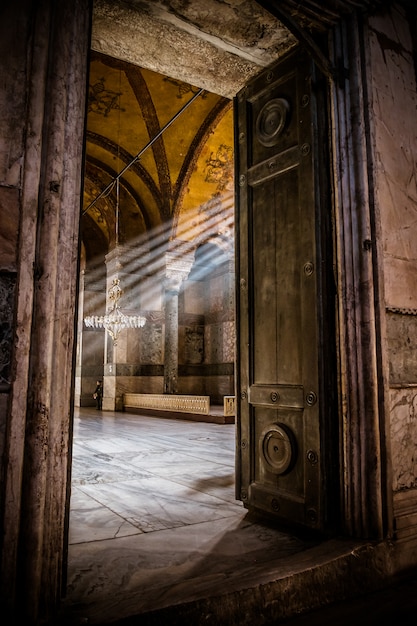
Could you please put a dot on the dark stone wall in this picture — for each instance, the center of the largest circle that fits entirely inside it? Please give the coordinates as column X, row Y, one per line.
column 402, row 348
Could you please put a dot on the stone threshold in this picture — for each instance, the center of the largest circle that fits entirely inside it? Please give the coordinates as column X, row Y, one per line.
column 334, row 571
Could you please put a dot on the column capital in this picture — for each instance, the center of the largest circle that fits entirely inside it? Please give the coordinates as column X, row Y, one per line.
column 177, row 268
column 125, row 258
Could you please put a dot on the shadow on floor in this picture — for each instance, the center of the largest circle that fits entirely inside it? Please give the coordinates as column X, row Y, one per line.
column 157, row 537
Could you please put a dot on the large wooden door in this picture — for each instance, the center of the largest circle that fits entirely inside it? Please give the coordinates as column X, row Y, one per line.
column 286, row 422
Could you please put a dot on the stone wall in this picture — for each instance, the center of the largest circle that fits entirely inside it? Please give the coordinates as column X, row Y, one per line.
column 207, row 334
column 206, row 343
column 42, row 107
column 12, row 112
column 394, row 102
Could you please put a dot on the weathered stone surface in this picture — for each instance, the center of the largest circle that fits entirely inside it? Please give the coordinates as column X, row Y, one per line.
column 404, row 437
column 229, row 342
column 402, row 348
column 187, row 42
column 394, row 102
column 44, row 62
column 194, row 344
column 151, row 346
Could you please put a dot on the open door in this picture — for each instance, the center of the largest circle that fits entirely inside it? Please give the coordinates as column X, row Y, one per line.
column 285, row 400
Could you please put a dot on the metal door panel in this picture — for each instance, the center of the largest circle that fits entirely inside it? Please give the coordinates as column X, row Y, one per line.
column 276, row 396
column 282, row 445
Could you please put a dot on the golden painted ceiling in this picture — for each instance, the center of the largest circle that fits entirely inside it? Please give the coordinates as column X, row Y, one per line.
column 182, row 182
column 149, row 58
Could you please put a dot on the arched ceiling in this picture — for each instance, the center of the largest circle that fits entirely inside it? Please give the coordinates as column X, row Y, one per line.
column 181, row 180
column 215, row 44
column 149, row 57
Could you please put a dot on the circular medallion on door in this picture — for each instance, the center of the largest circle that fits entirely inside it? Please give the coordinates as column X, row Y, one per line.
column 271, row 121
column 279, row 448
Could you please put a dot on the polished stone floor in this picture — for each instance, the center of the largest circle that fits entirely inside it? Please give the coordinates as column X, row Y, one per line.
column 154, row 525
column 154, row 519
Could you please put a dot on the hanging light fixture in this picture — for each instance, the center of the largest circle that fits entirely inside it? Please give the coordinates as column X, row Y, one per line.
column 115, row 320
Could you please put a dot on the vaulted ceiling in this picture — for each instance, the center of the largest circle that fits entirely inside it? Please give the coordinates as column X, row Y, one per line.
column 175, row 181
column 149, row 58
column 214, row 44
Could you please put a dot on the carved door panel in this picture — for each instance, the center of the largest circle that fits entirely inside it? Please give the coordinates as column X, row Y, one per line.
column 284, row 381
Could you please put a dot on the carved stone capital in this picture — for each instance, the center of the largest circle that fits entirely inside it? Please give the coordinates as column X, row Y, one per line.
column 125, row 259
column 177, row 269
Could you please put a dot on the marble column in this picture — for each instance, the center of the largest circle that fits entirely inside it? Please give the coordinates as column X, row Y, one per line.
column 123, row 264
column 177, row 269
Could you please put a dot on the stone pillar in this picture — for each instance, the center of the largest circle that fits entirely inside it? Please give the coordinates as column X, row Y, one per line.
column 171, row 339
column 123, row 264
column 362, row 409
column 45, row 74
column 177, row 269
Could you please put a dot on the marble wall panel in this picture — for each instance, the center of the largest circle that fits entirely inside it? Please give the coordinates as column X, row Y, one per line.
column 394, row 102
column 404, row 437
column 229, row 342
column 213, row 342
column 193, row 297
column 194, row 344
column 94, row 277
column 217, row 291
column 128, row 384
column 402, row 348
column 91, row 368
column 87, row 386
column 133, row 344
column 151, row 345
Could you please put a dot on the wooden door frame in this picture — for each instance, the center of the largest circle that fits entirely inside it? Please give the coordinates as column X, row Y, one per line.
column 38, row 442
column 366, row 498
column 296, row 497
column 365, row 502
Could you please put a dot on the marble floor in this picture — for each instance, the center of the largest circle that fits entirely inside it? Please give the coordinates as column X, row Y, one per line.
column 153, row 510
column 154, row 525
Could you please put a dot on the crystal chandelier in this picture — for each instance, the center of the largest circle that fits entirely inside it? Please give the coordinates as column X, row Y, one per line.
column 115, row 320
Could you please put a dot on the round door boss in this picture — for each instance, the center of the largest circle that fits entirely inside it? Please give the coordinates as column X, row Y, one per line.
column 271, row 121
column 279, row 448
